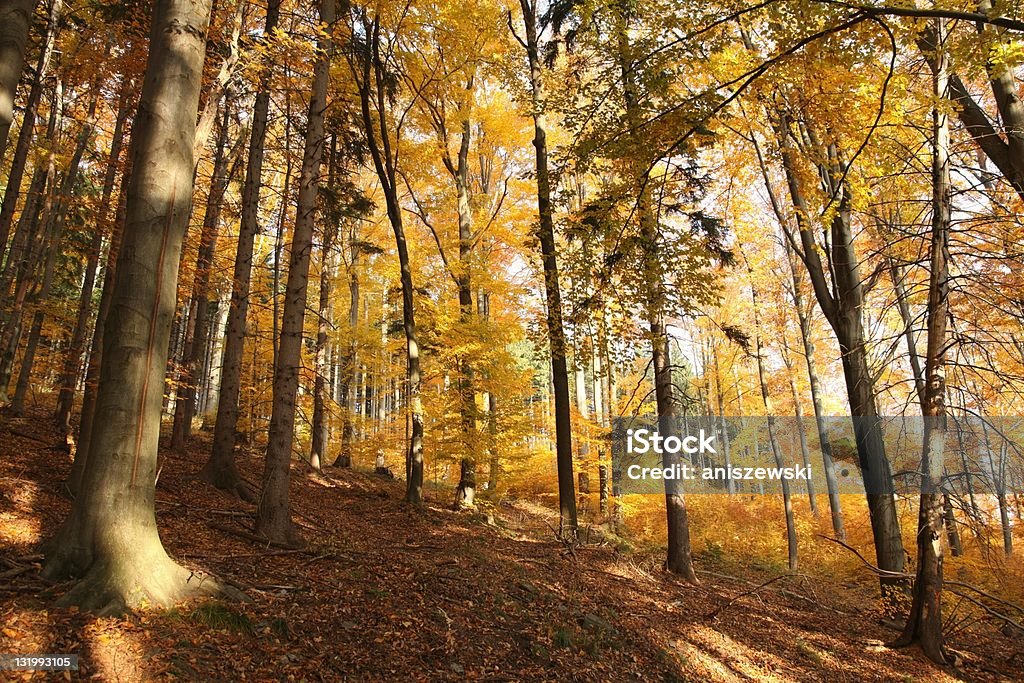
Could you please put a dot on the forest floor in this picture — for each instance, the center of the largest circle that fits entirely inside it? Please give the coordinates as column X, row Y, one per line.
column 388, row 592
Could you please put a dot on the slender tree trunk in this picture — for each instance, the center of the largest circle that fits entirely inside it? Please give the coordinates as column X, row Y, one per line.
column 55, row 232
column 30, row 240
column 787, row 497
column 348, row 370
column 28, row 121
column 273, row 517
column 73, row 359
column 924, row 625
column 381, row 139
column 220, row 470
column 798, row 413
column 321, row 387
column 465, row 492
column 843, row 307
column 198, row 329
column 679, row 559
column 723, row 428
column 110, row 538
column 553, row 295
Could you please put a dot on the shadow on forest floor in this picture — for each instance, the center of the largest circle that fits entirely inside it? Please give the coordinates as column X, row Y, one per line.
column 388, row 592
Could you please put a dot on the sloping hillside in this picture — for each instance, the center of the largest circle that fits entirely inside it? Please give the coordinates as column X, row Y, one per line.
column 387, row 592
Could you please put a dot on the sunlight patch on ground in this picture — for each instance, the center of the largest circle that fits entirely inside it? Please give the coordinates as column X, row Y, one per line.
column 25, row 632
column 19, row 522
column 114, row 651
column 739, row 660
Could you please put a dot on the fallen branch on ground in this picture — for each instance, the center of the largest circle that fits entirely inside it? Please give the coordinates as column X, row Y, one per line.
column 714, row 613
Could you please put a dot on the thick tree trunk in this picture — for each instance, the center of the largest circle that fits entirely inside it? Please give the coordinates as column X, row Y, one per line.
column 93, row 368
column 15, row 20
column 273, row 517
column 220, row 470
column 924, row 624
column 110, row 538
column 553, row 295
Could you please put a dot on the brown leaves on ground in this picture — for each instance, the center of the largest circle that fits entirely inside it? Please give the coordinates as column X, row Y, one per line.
column 390, row 592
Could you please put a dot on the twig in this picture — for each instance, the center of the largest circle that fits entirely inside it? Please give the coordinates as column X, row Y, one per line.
column 997, row 615
column 16, row 571
column 714, row 613
column 30, row 437
column 876, row 570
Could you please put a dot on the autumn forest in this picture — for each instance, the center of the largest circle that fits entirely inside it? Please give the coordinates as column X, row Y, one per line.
column 569, row 340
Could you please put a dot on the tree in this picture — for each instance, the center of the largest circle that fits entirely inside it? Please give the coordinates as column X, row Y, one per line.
column 199, row 308
column 552, row 291
column 839, row 290
column 220, row 470
column 15, row 19
column 273, row 516
column 369, row 60
column 110, row 540
column 924, row 624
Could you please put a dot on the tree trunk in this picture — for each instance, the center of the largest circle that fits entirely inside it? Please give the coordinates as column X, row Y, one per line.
column 348, row 369
column 465, row 492
column 73, row 358
column 787, row 497
column 58, row 214
column 220, row 470
column 843, row 306
column 381, row 140
column 924, row 624
column 798, row 413
column 30, row 239
column 28, row 123
column 722, row 426
column 273, row 517
column 679, row 559
column 553, row 295
column 15, row 20
column 198, row 329
column 95, row 365
column 321, row 387
column 110, row 538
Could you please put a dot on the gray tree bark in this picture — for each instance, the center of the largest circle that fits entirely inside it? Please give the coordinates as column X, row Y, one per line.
column 924, row 624
column 15, row 20
column 220, row 470
column 553, row 295
column 273, row 516
column 110, row 540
